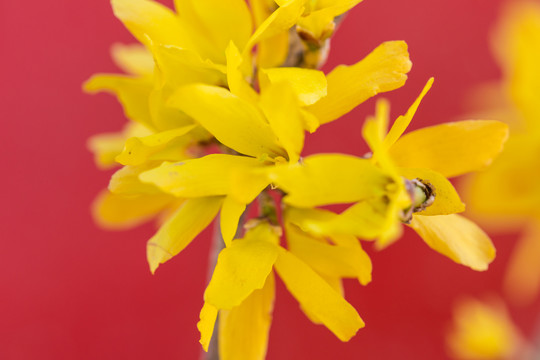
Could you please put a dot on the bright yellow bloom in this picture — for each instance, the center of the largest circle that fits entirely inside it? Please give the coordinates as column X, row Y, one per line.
column 425, row 158
column 507, row 196
column 482, row 331
column 242, row 291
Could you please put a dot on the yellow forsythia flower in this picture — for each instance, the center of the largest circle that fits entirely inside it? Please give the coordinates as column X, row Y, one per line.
column 381, row 200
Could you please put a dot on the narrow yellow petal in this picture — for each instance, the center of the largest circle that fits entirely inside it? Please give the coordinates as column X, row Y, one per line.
column 244, row 330
column 231, row 211
column 131, row 92
column 247, row 184
column 178, row 232
column 118, row 212
column 457, row 238
column 319, row 22
column 403, row 121
column 138, row 150
column 308, row 84
column 206, row 324
column 207, row 176
column 280, row 20
column 330, row 260
column 316, row 296
column 242, row 268
column 134, row 59
column 235, row 77
column 447, row 200
column 330, row 179
column 384, row 69
column 436, row 147
column 279, row 104
column 235, row 122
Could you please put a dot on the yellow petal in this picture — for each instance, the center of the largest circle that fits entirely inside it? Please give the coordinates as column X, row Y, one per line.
column 330, row 179
column 117, row 212
column 231, row 211
column 447, row 200
column 403, row 121
column 243, row 330
column 247, row 184
column 218, row 22
column 451, row 149
column 150, row 21
column 330, row 260
column 206, row 324
column 236, row 79
column 279, row 21
column 317, row 297
column 182, row 66
column 139, row 149
column 234, row 122
column 134, row 59
column 132, row 93
column 280, row 106
column 242, row 268
column 384, row 69
column 126, row 181
column 107, row 146
column 319, row 23
column 309, row 85
column 178, row 232
column 206, row 176
column 457, row 238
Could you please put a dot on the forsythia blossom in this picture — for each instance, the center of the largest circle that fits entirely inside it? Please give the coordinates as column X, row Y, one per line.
column 216, row 124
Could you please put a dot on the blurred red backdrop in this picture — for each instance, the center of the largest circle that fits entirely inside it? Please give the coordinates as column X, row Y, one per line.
column 73, row 291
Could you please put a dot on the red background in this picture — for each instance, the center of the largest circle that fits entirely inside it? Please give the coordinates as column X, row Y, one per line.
column 72, row 291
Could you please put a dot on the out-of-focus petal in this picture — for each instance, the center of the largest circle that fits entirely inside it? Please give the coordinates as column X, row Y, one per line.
column 134, row 59
column 454, row 148
column 178, row 232
column 384, row 69
column 522, row 278
column 120, row 212
column 316, row 296
column 132, row 93
column 457, row 238
column 243, row 330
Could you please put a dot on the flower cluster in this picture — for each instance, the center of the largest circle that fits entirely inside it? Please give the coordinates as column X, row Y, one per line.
column 219, row 97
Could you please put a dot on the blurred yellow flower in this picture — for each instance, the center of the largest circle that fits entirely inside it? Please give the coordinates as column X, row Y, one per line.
column 507, row 195
column 482, row 331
